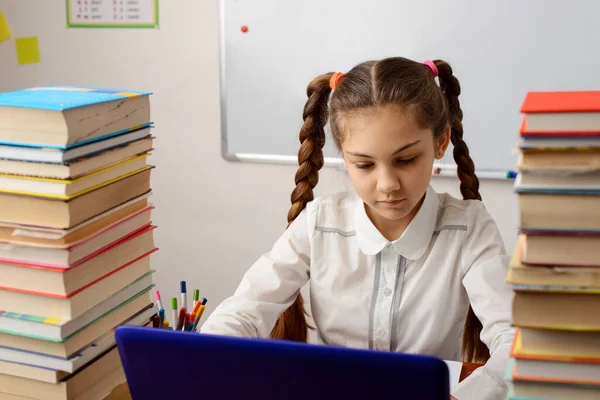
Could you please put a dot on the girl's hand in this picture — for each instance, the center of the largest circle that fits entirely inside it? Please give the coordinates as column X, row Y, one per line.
column 452, row 398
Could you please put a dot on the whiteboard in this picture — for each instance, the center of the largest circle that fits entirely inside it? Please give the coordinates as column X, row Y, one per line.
column 499, row 50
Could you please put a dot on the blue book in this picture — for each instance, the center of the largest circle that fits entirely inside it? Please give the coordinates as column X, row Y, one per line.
column 62, row 117
column 568, row 191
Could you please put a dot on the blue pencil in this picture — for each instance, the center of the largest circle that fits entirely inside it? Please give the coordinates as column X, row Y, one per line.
column 161, row 317
column 183, row 294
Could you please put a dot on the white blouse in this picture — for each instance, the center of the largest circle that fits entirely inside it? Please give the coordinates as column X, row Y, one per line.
column 411, row 295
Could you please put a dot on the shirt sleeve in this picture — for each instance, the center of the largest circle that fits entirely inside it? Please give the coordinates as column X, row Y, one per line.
column 267, row 289
column 486, row 262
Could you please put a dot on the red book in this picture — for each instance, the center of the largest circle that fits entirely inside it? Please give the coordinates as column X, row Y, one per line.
column 561, row 102
column 574, row 113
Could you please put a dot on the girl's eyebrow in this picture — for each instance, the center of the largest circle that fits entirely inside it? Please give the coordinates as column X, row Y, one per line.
column 401, row 149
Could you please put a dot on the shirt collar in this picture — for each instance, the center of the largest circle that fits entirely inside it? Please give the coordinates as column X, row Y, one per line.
column 414, row 241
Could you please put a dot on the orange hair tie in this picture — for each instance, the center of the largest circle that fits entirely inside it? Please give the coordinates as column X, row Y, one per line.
column 335, row 79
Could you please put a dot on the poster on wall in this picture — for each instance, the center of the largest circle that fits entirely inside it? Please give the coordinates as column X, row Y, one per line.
column 112, row 13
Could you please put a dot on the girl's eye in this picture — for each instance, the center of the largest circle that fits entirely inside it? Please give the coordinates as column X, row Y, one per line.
column 363, row 166
column 406, row 161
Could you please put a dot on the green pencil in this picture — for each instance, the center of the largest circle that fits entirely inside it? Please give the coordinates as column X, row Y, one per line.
column 196, row 297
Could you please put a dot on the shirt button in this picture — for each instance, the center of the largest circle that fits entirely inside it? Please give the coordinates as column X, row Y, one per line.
column 387, row 291
column 380, row 332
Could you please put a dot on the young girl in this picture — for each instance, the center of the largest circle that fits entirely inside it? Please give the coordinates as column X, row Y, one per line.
column 394, row 266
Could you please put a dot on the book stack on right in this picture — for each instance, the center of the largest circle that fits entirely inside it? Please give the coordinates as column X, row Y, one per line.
column 555, row 267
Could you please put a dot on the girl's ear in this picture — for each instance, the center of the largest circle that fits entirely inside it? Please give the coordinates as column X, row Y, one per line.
column 442, row 143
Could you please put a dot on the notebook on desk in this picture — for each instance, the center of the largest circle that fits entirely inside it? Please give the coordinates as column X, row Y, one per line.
column 161, row 364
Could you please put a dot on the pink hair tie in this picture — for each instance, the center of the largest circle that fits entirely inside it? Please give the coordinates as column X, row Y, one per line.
column 432, row 66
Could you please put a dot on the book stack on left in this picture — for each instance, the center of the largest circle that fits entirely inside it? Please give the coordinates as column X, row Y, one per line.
column 75, row 237
column 555, row 268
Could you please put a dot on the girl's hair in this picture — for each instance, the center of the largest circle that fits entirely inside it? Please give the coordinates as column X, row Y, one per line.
column 398, row 81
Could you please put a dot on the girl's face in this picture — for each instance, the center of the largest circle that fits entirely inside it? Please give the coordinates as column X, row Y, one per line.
column 389, row 159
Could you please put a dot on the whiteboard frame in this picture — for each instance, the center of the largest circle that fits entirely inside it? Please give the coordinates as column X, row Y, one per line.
column 439, row 169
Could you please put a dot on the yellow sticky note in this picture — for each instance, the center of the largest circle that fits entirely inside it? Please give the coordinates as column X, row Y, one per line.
column 4, row 29
column 28, row 50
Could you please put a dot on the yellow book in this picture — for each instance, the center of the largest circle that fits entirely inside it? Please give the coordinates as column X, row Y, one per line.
column 66, row 189
column 556, row 276
column 576, row 346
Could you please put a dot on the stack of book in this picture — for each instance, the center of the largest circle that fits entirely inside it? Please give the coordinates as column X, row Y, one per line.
column 75, row 237
column 555, row 268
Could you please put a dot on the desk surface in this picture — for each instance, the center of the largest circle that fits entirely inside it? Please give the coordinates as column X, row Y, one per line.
column 121, row 392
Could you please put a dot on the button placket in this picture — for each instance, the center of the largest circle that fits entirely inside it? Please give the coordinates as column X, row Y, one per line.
column 385, row 299
column 396, row 303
